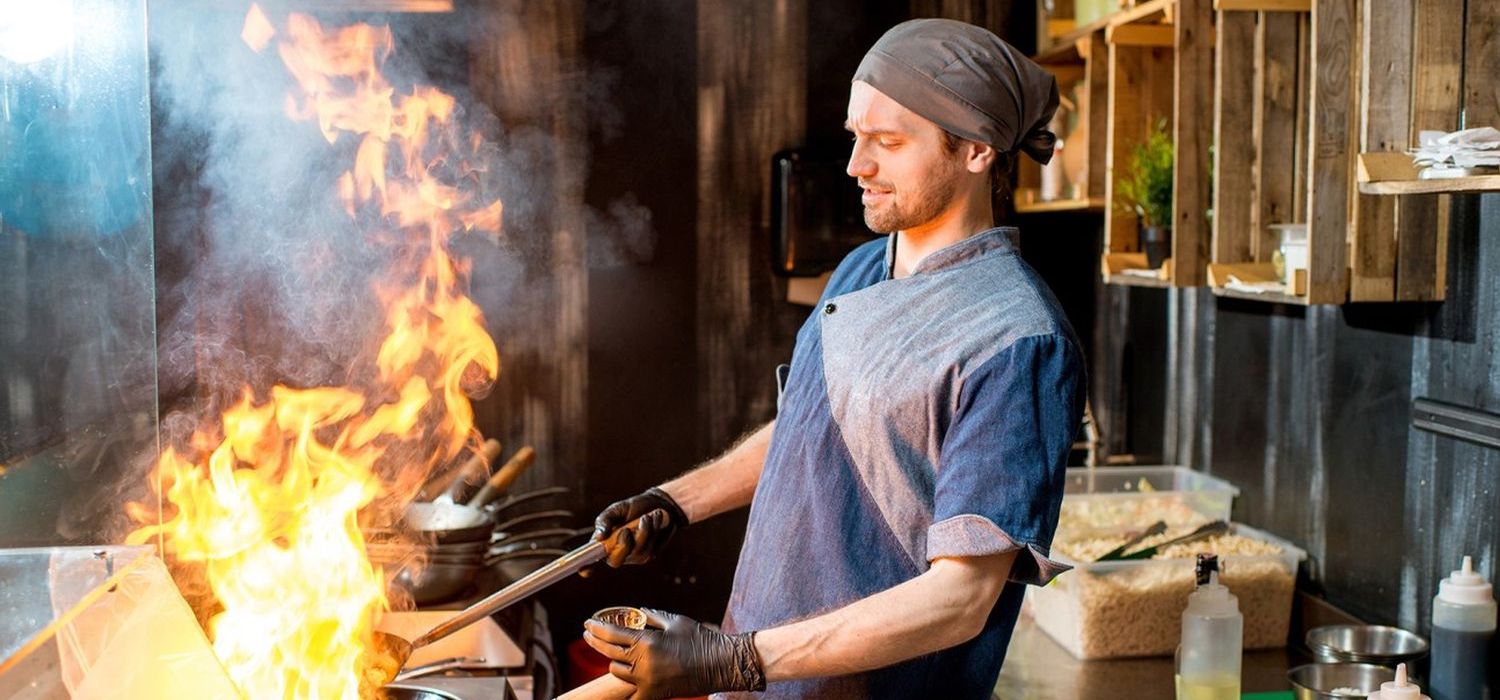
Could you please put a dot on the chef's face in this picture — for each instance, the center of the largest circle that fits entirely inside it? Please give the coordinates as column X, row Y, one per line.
column 908, row 175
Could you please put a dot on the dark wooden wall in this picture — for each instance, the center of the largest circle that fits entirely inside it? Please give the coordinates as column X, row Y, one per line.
column 1308, row 411
column 527, row 66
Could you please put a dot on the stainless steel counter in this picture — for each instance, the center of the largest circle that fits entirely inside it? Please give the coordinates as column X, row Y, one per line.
column 1037, row 668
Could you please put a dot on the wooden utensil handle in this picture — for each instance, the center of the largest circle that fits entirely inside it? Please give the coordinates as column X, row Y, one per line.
column 507, row 475
column 605, row 687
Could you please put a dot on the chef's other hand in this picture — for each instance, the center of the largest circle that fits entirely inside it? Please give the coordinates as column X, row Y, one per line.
column 641, row 541
column 680, row 658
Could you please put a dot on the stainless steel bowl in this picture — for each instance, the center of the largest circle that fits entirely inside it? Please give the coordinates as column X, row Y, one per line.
column 622, row 616
column 1315, row 681
column 1368, row 644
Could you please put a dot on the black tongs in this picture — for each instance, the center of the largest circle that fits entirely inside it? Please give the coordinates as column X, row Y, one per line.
column 1217, row 527
column 1159, row 527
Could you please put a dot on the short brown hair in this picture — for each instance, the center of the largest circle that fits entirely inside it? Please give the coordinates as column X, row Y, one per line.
column 1000, row 171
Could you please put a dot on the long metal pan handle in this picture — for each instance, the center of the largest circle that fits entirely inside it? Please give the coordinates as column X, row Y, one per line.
column 559, row 569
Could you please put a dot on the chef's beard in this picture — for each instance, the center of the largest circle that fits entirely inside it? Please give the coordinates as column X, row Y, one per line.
column 924, row 205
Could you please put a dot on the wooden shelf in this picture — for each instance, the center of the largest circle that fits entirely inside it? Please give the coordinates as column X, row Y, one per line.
column 1395, row 174
column 1160, row 58
column 1263, row 5
column 1453, row 185
column 1153, row 11
column 1144, row 12
column 1137, row 281
column 1267, row 297
column 1095, row 204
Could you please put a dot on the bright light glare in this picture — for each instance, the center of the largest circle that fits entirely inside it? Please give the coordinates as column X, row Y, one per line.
column 31, row 30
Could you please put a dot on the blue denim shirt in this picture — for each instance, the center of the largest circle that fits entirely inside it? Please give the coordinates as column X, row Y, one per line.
column 923, row 417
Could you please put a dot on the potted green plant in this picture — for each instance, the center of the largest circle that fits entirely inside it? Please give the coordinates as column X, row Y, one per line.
column 1146, row 191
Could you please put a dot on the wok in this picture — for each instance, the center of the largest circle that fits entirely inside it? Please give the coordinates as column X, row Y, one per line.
column 391, row 652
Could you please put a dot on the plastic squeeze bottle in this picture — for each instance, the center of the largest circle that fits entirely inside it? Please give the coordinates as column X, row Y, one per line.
column 1208, row 662
column 1398, row 689
column 1463, row 623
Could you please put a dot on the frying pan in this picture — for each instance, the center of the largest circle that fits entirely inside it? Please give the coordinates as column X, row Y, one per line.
column 391, row 652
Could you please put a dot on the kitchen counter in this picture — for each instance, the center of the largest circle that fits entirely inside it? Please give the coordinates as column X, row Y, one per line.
column 1037, row 668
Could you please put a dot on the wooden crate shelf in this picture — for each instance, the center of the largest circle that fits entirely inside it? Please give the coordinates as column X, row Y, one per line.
column 1312, row 90
column 1395, row 174
column 1037, row 206
column 1130, row 269
column 1160, row 62
column 1081, row 72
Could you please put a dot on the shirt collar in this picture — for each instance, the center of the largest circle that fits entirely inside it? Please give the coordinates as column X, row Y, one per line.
column 999, row 241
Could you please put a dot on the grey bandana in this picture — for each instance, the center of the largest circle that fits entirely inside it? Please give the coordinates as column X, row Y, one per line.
column 966, row 80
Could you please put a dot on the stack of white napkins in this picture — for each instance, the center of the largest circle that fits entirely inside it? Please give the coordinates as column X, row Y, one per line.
column 1238, row 285
column 1470, row 148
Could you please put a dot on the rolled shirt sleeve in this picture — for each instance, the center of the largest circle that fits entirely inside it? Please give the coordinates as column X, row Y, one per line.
column 1000, row 479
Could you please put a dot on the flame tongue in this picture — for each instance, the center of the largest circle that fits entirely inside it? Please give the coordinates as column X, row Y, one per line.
column 265, row 499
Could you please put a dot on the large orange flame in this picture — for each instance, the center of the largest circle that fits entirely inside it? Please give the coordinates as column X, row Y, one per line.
column 265, row 498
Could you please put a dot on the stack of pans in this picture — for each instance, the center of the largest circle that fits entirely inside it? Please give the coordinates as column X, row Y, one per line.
column 444, row 550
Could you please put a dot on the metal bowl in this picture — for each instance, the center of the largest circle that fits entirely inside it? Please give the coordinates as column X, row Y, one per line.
column 622, row 616
column 1314, row 681
column 1368, row 644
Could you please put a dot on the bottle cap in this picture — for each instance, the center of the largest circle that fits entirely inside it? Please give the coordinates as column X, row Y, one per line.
column 1212, row 599
column 1465, row 587
column 1400, row 689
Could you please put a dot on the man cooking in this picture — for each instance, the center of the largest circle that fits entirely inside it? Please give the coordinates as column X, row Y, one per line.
column 912, row 477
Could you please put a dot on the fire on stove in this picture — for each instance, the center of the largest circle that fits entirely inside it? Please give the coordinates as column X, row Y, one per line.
column 265, row 501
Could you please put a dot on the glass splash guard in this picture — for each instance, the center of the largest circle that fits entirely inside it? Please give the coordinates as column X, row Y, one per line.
column 77, row 321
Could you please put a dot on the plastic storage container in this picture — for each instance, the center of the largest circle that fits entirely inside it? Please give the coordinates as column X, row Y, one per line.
column 1122, row 609
column 1113, row 498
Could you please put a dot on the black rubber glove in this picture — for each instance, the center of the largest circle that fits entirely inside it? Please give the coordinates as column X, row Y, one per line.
column 680, row 658
column 639, row 543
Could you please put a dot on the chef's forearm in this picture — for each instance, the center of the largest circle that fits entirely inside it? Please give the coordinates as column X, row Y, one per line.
column 725, row 483
column 941, row 608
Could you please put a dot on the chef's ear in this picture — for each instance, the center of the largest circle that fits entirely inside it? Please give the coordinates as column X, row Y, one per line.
column 978, row 157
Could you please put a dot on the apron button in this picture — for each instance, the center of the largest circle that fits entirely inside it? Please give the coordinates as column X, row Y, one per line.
column 830, row 308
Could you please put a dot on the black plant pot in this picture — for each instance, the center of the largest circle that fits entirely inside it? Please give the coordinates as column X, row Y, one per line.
column 1156, row 241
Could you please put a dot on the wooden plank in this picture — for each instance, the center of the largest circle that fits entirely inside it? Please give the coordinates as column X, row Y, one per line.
column 1096, row 96
column 1275, row 132
column 1144, row 12
column 1066, row 74
column 751, row 86
column 1056, row 205
column 1139, row 97
column 526, row 71
column 1482, row 64
column 1263, row 5
column 1301, row 150
column 1329, row 171
column 1193, row 135
column 1234, row 155
column 1437, row 58
column 1126, row 71
column 1477, row 184
column 1385, row 124
column 1141, row 35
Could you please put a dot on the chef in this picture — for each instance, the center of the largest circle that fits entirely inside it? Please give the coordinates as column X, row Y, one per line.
column 910, row 484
